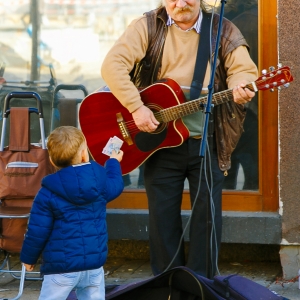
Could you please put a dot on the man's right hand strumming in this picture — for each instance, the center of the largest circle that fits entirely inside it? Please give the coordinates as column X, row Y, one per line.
column 144, row 119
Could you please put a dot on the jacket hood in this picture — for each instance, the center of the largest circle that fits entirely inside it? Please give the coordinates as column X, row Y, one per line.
column 71, row 183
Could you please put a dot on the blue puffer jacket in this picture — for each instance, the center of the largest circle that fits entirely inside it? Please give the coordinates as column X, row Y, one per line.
column 67, row 223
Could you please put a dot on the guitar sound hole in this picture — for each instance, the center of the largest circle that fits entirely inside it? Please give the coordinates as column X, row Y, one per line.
column 161, row 127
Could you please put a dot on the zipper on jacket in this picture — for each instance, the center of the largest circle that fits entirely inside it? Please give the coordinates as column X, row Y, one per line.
column 158, row 59
column 162, row 43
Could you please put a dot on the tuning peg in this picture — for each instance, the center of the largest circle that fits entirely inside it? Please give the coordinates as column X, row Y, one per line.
column 272, row 90
column 279, row 88
column 279, row 65
column 272, row 68
column 286, row 85
column 264, row 72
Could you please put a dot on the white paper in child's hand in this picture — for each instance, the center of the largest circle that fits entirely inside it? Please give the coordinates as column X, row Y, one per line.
column 113, row 144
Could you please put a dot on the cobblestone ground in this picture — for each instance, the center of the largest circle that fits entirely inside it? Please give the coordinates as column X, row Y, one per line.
column 121, row 271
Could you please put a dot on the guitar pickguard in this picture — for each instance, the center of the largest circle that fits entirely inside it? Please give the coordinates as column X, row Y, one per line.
column 146, row 142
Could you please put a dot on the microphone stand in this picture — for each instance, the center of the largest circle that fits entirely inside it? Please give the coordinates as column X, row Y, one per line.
column 208, row 105
column 208, row 128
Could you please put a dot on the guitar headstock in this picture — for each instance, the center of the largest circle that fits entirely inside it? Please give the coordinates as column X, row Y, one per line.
column 274, row 79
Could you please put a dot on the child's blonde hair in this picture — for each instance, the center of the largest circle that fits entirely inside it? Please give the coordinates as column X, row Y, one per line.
column 64, row 144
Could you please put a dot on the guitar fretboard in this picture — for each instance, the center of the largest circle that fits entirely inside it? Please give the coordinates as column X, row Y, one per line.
column 193, row 106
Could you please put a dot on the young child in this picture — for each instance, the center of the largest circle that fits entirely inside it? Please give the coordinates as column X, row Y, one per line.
column 67, row 223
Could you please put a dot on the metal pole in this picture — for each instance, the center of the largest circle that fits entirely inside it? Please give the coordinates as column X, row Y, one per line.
column 34, row 18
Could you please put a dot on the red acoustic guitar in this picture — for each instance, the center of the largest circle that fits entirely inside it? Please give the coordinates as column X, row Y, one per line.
column 101, row 117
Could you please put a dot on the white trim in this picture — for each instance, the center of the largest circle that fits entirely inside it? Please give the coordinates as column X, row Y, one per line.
column 83, row 164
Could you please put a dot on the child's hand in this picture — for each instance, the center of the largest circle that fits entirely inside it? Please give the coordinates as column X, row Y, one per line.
column 116, row 155
column 29, row 268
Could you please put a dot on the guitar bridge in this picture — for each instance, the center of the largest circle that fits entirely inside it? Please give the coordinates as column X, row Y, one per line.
column 123, row 129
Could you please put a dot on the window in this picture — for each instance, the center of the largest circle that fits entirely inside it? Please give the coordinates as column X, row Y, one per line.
column 72, row 42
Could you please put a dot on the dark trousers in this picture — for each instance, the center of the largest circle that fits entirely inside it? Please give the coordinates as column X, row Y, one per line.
column 165, row 173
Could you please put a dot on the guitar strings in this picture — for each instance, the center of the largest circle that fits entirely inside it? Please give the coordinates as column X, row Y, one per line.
column 176, row 112
column 189, row 107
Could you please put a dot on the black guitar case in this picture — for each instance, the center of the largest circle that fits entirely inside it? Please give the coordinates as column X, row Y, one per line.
column 181, row 283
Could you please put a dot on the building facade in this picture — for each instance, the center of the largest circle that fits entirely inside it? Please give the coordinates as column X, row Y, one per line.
column 261, row 190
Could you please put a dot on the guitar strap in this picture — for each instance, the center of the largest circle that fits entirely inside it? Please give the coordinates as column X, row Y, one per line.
column 203, row 56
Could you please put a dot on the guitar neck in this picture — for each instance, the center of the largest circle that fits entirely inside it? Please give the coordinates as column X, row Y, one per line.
column 193, row 106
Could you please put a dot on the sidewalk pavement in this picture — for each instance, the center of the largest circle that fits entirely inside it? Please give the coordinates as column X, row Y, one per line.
column 121, row 271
